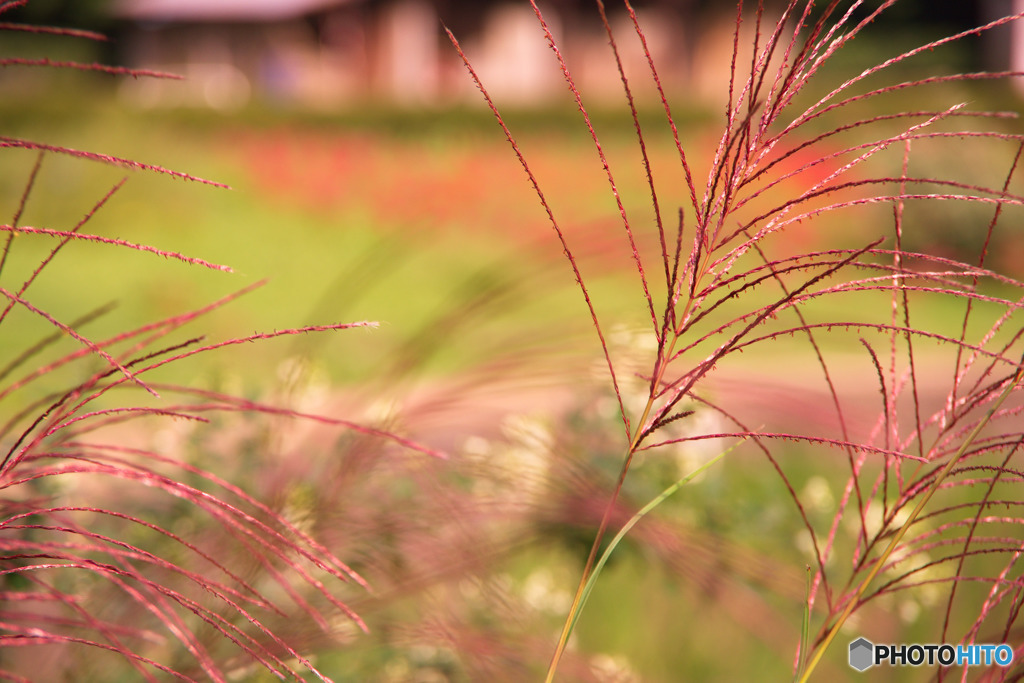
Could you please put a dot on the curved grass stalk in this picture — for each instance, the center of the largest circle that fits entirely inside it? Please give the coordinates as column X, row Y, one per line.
column 633, row 521
column 805, row 628
column 589, row 567
column 593, row 569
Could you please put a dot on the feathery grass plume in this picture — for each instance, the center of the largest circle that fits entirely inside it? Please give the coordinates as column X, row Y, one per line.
column 118, row 559
column 740, row 295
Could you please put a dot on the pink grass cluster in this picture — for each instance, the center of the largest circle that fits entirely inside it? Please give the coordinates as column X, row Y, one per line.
column 723, row 284
column 117, row 555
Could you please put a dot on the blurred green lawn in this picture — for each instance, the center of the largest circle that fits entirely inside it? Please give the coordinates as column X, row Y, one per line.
column 401, row 248
column 400, row 217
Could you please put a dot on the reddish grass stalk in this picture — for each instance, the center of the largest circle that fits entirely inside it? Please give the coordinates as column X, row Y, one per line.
column 80, row 66
column 71, row 235
column 744, row 208
column 278, row 569
column 104, row 158
column 53, row 30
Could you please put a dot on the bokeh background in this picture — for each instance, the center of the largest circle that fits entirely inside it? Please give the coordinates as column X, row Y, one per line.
column 369, row 182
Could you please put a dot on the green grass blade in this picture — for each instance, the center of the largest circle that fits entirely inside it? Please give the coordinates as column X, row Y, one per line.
column 805, row 628
column 662, row 497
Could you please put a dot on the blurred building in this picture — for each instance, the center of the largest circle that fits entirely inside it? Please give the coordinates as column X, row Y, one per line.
column 334, row 53
column 1004, row 48
column 344, row 53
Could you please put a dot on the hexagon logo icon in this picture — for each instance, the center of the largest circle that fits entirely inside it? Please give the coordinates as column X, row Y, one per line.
column 861, row 654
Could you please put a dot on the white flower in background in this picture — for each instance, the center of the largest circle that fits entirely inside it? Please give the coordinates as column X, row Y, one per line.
column 613, row 669
column 542, row 592
column 817, row 495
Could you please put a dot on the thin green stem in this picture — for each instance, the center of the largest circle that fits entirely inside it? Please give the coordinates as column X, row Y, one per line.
column 665, row 355
column 635, row 519
column 577, row 601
